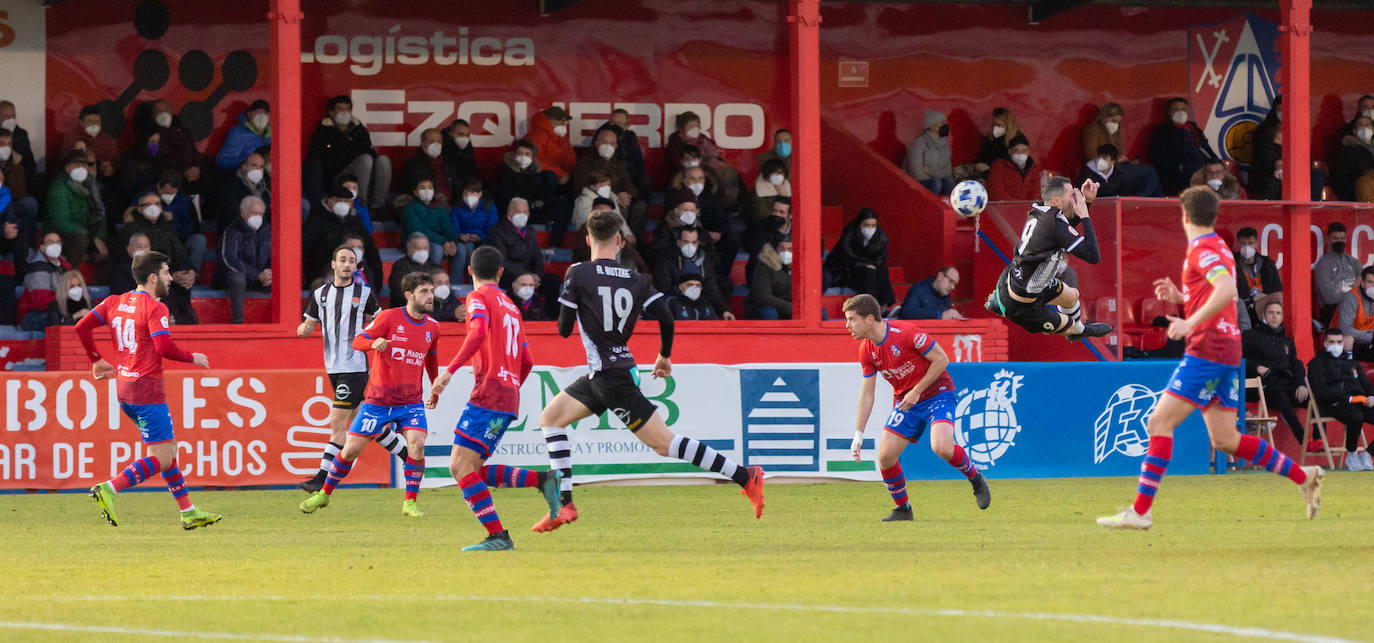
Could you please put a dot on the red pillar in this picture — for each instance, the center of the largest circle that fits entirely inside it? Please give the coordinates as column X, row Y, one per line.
column 1295, row 43
column 804, row 23
column 286, row 160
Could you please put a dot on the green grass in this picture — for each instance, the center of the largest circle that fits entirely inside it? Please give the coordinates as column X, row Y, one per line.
column 1233, row 550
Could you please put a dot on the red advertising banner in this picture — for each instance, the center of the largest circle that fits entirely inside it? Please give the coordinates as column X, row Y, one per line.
column 233, row 428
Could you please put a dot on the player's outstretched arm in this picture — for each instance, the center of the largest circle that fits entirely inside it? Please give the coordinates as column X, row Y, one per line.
column 567, row 318
column 865, row 409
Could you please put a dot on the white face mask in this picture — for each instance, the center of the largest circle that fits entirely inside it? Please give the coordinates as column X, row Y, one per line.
column 519, row 220
column 561, row 130
column 1247, row 252
column 688, row 250
column 694, row 132
column 78, row 174
column 605, row 151
column 691, row 163
column 1112, row 127
column 425, row 195
column 343, row 118
column 433, row 150
column 53, row 250
column 254, row 175
column 358, row 255
column 1020, row 159
column 692, row 292
column 341, row 208
column 74, row 293
column 1215, row 184
column 867, row 232
column 9, row 124
column 5, row 153
column 1365, row 134
column 1367, row 112
column 696, row 188
column 163, row 119
column 441, row 291
column 254, row 222
column 604, row 192
column 688, row 217
column 92, row 130
column 167, row 198
column 1104, row 165
column 786, row 256
column 1335, row 350
column 998, row 131
column 354, row 191
column 419, row 256
column 462, row 141
column 1369, row 292
column 1179, row 117
column 525, row 293
column 472, row 200
column 151, row 211
column 260, row 122
column 523, row 161
column 140, row 252
column 1278, row 174
column 776, row 179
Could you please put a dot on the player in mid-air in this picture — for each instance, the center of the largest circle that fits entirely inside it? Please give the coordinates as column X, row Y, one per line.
column 604, row 299
column 1030, row 285
column 501, row 362
column 138, row 322
column 341, row 309
column 923, row 398
column 405, row 343
column 1208, row 378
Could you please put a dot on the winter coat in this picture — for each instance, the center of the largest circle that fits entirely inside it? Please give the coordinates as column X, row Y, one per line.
column 420, row 167
column 614, row 168
column 430, row 219
column 922, row 302
column 519, row 250
column 852, row 251
column 994, row 147
column 672, row 151
column 1230, row 185
column 525, row 183
column 1177, row 151
column 629, row 151
column 241, row 141
column 684, row 309
column 104, row 145
column 335, row 148
column 1006, row 182
column 469, row 221
column 928, row 151
column 761, row 201
column 1107, row 186
column 463, row 161
column 1274, row 350
column 176, row 148
column 40, row 273
column 553, row 152
column 162, row 237
column 324, row 231
column 1352, row 160
column 70, row 210
column 770, row 285
column 669, row 267
column 399, row 270
column 24, row 149
column 1335, row 379
column 245, row 250
column 1095, row 135
column 16, row 176
column 235, row 190
column 446, row 309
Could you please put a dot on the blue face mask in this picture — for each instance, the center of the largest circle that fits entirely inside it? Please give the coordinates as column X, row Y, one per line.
column 784, row 149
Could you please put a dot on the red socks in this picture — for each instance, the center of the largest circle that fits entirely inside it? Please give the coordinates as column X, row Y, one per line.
column 1157, row 457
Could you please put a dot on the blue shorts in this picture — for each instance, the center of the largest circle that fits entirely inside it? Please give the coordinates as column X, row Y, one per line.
column 481, row 429
column 372, row 419
column 1200, row 382
column 154, row 421
column 912, row 423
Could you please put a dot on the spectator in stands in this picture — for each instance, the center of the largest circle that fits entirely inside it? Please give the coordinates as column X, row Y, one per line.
column 429, row 163
column 245, row 255
column 523, row 176
column 629, row 254
column 350, row 183
column 97, row 141
column 121, row 277
column 10, row 247
column 1257, row 276
column 448, row 306
column 137, row 170
column 1015, row 177
column 1178, row 148
column 524, row 291
column 1214, row 175
column 1363, row 107
column 1267, row 187
column 519, row 248
column 997, row 143
column 1266, row 164
column 340, row 145
column 1119, row 178
column 459, row 154
column 1354, row 158
column 73, row 303
column 1135, row 179
column 428, row 214
column 689, row 133
column 1337, row 383
column 249, row 180
column 690, row 257
column 42, row 279
column 9, row 122
column 16, row 200
column 418, row 259
column 688, row 303
column 770, row 232
column 332, row 222
column 252, row 132
column 770, row 288
column 597, row 186
column 1335, row 272
column 697, row 185
column 604, row 164
column 71, row 211
column 148, row 217
column 927, row 158
column 781, row 150
column 548, row 131
column 1355, row 317
column 176, row 148
column 629, row 150
column 859, row 258
column 184, row 217
column 472, row 217
column 772, row 183
column 1271, row 356
column 930, row 299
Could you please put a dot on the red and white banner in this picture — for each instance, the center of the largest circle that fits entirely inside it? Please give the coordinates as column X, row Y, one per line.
column 233, row 428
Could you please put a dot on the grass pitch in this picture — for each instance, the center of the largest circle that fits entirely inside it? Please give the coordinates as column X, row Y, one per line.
column 689, row 563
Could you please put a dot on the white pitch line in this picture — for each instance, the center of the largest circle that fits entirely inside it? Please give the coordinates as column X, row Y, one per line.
column 232, row 636
column 1211, row 628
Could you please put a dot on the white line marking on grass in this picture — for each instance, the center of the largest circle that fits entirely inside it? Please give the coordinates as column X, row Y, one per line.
column 1211, row 628
column 134, row 631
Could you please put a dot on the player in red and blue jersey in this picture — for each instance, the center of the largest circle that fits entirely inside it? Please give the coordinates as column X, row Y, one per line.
column 405, row 343
column 138, row 323
column 923, row 398
column 501, row 361
column 1208, row 378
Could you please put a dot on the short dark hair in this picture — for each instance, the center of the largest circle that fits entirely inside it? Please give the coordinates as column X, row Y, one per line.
column 597, row 176
column 1368, row 270
column 259, row 104
column 1365, row 97
column 864, row 306
column 691, row 150
column 525, row 143
column 603, row 201
column 1272, row 302
column 1335, row 226
column 603, row 225
column 472, row 185
column 485, row 262
column 346, row 178
column 1109, row 150
column 620, row 110
column 88, row 110
column 414, row 280
column 1333, row 331
column 147, row 265
column 773, row 166
column 1053, row 187
column 785, row 200
column 1246, row 233
column 169, row 177
column 456, row 122
column 1176, row 99
column 781, row 130
column 1201, row 204
column 340, row 192
column 335, row 100
column 335, row 255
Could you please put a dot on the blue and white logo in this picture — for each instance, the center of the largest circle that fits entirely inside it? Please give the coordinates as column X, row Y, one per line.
column 1121, row 426
column 782, row 418
column 985, row 422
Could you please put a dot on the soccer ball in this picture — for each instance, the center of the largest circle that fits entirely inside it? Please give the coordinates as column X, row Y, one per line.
column 968, row 198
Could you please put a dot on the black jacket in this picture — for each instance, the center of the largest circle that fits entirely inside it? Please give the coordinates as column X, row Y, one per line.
column 526, row 184
column 1177, row 152
column 335, row 148
column 686, row 309
column 464, row 164
column 1336, row 379
column 852, row 251
column 399, row 270
column 324, row 232
column 21, row 145
column 235, row 190
column 520, row 253
column 1272, row 349
column 669, row 267
column 417, row 168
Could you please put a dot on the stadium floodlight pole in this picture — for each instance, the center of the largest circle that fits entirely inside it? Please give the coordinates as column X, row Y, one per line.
column 804, row 24
column 1295, row 41
column 286, row 19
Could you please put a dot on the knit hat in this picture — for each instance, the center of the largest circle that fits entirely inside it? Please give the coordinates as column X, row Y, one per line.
column 933, row 118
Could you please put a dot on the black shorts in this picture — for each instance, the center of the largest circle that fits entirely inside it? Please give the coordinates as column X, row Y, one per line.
column 1036, row 317
column 348, row 389
column 617, row 390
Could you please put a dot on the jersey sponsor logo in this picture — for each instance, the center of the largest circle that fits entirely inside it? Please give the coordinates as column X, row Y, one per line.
column 896, row 352
column 985, row 423
column 902, row 370
column 428, row 337
column 920, row 340
column 1208, row 258
column 1120, row 428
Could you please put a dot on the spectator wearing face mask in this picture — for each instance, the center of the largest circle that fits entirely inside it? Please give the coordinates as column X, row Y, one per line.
column 859, row 258
column 448, row 306
column 459, row 153
column 350, row 183
column 340, row 145
column 72, row 214
column 1335, row 272
column 473, row 216
column 121, row 277
column 927, row 158
column 598, row 186
column 1105, row 129
column 1015, row 177
column 930, row 299
column 548, row 132
column 629, row 150
column 42, row 280
column 690, row 255
column 772, row 183
column 1257, row 276
column 1271, row 356
column 689, row 135
column 522, row 176
column 1131, row 179
column 16, row 201
column 687, row 302
column 770, row 286
column 73, row 303
column 184, row 216
column 147, row 217
column 429, row 163
column 1355, row 317
column 417, row 259
column 602, row 161
column 1266, row 163
column 249, row 180
column 997, row 142
column 524, row 292
column 1364, row 106
column 781, row 150
column 176, row 147
column 245, row 255
column 1178, row 148
column 1344, row 394
column 23, row 148
column 1116, row 177
column 252, row 131
column 1354, row 157
column 331, row 222
column 88, row 131
column 518, row 244
column 1215, row 176
column 428, row 214
column 629, row 253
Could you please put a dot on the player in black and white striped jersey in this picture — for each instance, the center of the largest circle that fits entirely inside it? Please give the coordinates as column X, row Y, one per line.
column 341, row 308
